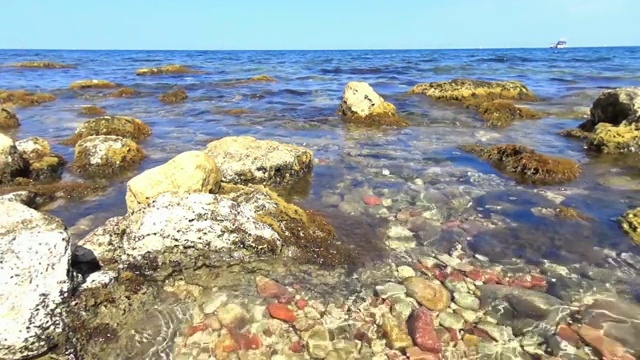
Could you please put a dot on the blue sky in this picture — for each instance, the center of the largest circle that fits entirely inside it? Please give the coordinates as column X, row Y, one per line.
column 320, row 24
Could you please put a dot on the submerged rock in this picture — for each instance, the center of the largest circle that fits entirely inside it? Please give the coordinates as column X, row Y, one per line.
column 429, row 293
column 463, row 90
column 203, row 176
column 165, row 70
column 92, row 84
column 106, row 156
column 361, row 104
column 8, row 118
column 502, row 113
column 527, row 165
column 630, row 222
column 247, row 160
column 36, row 281
column 123, row 92
column 173, row 97
column 92, row 110
column 24, row 98
column 610, row 139
column 123, row 126
column 615, row 319
column 42, row 65
column 42, row 194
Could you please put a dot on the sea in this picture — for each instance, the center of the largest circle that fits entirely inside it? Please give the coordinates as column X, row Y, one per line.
column 482, row 210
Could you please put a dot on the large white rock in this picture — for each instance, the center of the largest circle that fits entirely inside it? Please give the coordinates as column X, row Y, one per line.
column 247, row 160
column 189, row 172
column 361, row 104
column 35, row 256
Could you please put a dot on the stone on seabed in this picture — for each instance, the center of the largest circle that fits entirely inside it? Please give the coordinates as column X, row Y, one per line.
column 362, row 105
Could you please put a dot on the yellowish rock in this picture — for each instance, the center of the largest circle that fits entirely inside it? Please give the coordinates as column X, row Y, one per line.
column 466, row 89
column 92, row 84
column 611, row 139
column 189, row 172
column 630, row 222
column 361, row 104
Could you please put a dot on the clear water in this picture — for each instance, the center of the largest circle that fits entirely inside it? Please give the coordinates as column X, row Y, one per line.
column 300, row 107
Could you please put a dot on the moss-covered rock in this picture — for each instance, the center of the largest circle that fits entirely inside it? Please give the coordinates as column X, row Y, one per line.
column 92, row 110
column 167, row 70
column 576, row 133
column 124, row 92
column 234, row 112
column 569, row 213
column 502, row 113
column 463, row 90
column 43, row 194
column 12, row 164
column 630, row 222
column 42, row 65
column 526, row 165
column 8, row 118
column 92, row 84
column 173, row 97
column 610, row 139
column 247, row 160
column 24, row 98
column 262, row 78
column 124, row 126
column 106, row 156
column 44, row 166
column 362, row 105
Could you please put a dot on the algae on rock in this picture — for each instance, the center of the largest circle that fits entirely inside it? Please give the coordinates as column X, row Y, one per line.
column 42, row 65
column 92, row 110
column 174, row 97
column 123, row 126
column 123, row 92
column 630, row 222
column 106, row 156
column 609, row 139
column 8, row 118
column 24, row 98
column 92, row 84
column 166, row 70
column 463, row 90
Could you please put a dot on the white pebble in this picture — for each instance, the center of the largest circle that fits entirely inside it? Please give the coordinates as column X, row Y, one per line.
column 405, row 272
column 386, row 172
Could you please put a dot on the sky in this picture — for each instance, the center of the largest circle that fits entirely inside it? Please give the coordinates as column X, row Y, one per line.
column 320, row 24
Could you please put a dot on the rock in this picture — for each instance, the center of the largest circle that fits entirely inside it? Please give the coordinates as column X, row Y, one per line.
column 616, row 319
column 576, row 133
column 430, row 294
column 174, row 97
column 423, row 332
column 262, row 78
column 609, row 139
column 281, row 312
column 395, row 332
column 362, row 105
column 372, row 200
column 526, row 165
column 166, row 70
column 405, row 272
column 630, row 223
column 615, row 107
column 389, row 290
column 123, row 92
column 451, row 321
column 106, row 156
column 12, row 165
column 92, row 110
column 402, row 307
column 414, row 353
column 502, row 113
column 454, row 263
column 507, row 351
column 180, row 232
column 530, row 303
column 33, row 148
column 24, row 98
column 609, row 348
column 247, row 160
column 123, row 126
column 8, row 118
column 318, row 343
column 469, row 316
column 203, row 177
column 214, row 303
column 43, row 165
column 466, row 301
column 26, row 198
column 42, row 65
column 268, row 288
column 232, row 315
column 36, row 281
column 467, row 89
column 92, row 84
column 498, row 333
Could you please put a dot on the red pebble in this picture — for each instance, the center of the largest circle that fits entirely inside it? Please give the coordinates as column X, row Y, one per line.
column 456, row 276
column 538, row 281
column 296, row 347
column 372, row 200
column 569, row 335
column 281, row 312
column 423, row 332
column 454, row 335
column 521, row 281
column 475, row 275
column 301, row 304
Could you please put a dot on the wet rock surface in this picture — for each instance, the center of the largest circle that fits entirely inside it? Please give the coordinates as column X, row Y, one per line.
column 105, row 156
column 361, row 104
column 123, row 126
column 8, row 118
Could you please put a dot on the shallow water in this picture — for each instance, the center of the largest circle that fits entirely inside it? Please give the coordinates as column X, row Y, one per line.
column 418, row 167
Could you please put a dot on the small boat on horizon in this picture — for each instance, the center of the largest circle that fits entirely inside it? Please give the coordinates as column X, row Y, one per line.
column 561, row 44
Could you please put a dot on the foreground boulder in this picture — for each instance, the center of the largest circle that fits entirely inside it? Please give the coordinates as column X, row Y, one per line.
column 106, row 156
column 203, row 176
column 8, row 119
column 247, row 160
column 35, row 281
column 92, row 84
column 123, row 126
column 464, row 90
column 42, row 65
column 165, row 70
column 24, row 98
column 527, row 165
column 173, row 97
column 12, row 165
column 181, row 232
column 43, row 164
column 361, row 104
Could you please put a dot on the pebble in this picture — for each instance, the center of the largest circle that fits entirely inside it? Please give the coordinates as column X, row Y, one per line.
column 281, row 312
column 397, row 231
column 212, row 305
column 466, row 301
column 469, row 316
column 232, row 315
column 430, row 294
column 396, row 332
column 454, row 263
column 318, row 343
column 387, row 202
column 423, row 331
column 378, row 346
column 451, row 320
column 390, row 289
column 311, row 313
column 497, row 332
column 402, row 307
column 386, row 172
column 372, row 200
column 405, row 272
column 269, row 288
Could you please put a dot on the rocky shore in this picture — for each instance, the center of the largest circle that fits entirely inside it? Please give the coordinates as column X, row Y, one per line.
column 215, row 259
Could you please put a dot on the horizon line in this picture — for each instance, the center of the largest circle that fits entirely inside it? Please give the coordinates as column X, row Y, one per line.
column 362, row 49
